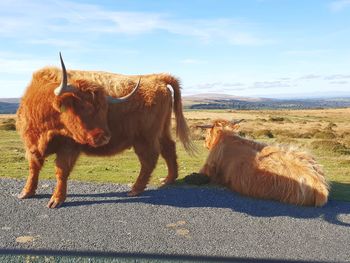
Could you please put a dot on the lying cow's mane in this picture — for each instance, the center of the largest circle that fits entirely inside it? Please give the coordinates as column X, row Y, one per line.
column 250, row 143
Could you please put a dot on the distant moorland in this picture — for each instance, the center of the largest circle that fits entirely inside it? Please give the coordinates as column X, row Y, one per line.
column 9, row 106
column 222, row 101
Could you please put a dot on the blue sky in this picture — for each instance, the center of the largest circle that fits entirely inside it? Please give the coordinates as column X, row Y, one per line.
column 268, row 48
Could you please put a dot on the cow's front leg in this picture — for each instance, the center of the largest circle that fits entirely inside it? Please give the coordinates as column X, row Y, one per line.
column 66, row 158
column 148, row 154
column 35, row 164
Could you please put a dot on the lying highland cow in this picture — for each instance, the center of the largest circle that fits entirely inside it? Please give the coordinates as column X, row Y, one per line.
column 258, row 170
column 66, row 113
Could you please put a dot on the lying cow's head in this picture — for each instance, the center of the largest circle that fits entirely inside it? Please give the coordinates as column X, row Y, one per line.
column 83, row 108
column 214, row 131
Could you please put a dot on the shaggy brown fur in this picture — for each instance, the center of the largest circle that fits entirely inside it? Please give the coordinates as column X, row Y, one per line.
column 83, row 121
column 262, row 171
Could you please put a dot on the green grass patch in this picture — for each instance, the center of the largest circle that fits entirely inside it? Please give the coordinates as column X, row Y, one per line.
column 340, row 191
column 121, row 168
column 124, row 168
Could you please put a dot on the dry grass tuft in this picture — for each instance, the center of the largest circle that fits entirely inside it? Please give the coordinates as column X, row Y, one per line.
column 279, row 119
column 8, row 124
column 330, row 146
column 324, row 135
column 262, row 134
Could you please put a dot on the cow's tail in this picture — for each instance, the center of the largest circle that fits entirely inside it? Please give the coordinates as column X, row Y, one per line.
column 182, row 130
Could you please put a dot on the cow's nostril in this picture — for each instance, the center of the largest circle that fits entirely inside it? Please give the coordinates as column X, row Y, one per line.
column 98, row 137
column 105, row 139
column 102, row 139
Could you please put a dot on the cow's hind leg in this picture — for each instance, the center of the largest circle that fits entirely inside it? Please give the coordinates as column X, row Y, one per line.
column 148, row 153
column 168, row 152
column 67, row 155
column 35, row 164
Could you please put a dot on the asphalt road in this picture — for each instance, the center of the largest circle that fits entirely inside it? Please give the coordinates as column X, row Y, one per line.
column 172, row 221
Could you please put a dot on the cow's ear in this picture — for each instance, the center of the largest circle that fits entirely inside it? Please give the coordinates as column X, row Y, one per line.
column 234, row 124
column 62, row 103
column 215, row 135
column 218, row 133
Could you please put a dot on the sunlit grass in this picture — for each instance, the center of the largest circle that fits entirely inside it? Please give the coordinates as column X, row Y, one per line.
column 121, row 168
column 332, row 154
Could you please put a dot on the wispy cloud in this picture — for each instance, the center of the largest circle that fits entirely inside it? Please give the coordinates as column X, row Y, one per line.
column 310, row 76
column 215, row 86
column 307, row 52
column 208, row 30
column 271, row 84
column 341, row 82
column 21, row 66
column 337, row 77
column 192, row 61
column 337, row 6
column 56, row 42
column 76, row 18
column 275, row 85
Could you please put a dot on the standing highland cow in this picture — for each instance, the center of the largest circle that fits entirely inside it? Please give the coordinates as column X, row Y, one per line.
column 82, row 114
column 262, row 171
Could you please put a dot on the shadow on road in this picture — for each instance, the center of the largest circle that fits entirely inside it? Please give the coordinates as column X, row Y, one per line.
column 186, row 197
column 24, row 255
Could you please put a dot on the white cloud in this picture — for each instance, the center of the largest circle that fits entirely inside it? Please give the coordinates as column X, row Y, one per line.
column 50, row 20
column 271, row 84
column 192, row 61
column 216, row 87
column 21, row 66
column 211, row 30
column 337, row 77
column 343, row 82
column 340, row 5
column 56, row 42
column 311, row 52
column 309, row 76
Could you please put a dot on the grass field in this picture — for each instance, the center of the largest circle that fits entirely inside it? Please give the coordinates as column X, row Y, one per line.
column 324, row 133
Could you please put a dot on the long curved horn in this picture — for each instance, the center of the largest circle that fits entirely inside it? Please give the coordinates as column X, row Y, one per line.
column 234, row 122
column 208, row 126
column 64, row 82
column 125, row 98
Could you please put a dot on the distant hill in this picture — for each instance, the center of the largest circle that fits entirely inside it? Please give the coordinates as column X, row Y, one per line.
column 223, row 101
column 218, row 96
column 10, row 100
column 9, row 106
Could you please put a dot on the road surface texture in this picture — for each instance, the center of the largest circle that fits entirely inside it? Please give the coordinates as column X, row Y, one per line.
column 172, row 221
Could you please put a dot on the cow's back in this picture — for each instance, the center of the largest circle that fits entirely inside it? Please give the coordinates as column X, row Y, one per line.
column 143, row 118
column 35, row 110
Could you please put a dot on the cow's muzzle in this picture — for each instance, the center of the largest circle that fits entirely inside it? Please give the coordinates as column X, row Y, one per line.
column 98, row 137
